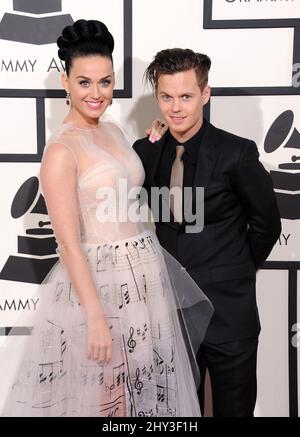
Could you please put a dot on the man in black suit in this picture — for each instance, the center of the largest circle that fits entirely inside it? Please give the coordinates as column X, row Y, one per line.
column 241, row 223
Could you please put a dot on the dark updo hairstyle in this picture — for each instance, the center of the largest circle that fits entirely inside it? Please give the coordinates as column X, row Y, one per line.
column 176, row 60
column 84, row 38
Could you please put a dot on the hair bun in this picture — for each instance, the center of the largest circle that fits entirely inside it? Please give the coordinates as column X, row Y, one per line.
column 84, row 30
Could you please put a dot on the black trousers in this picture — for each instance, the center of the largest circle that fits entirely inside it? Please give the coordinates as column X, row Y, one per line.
column 232, row 369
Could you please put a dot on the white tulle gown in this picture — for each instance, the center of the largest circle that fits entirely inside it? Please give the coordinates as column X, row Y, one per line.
column 141, row 288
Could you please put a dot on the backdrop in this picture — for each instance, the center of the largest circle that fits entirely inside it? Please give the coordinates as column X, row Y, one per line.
column 255, row 79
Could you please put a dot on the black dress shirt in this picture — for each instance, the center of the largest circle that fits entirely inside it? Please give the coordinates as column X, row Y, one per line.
column 190, row 157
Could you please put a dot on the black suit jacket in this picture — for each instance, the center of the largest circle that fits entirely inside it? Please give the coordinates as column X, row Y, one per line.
column 241, row 225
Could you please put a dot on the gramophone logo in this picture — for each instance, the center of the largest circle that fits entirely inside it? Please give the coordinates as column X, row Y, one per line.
column 34, row 29
column 36, row 249
column 284, row 135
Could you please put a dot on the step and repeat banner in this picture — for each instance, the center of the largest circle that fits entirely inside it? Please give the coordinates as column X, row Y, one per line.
column 255, row 78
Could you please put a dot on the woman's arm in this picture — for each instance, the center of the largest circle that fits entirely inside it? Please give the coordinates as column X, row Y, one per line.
column 59, row 182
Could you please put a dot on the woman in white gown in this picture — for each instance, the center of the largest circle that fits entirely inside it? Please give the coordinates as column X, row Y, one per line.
column 107, row 339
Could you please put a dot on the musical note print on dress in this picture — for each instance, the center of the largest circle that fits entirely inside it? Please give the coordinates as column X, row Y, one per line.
column 125, row 298
column 131, row 342
column 138, row 385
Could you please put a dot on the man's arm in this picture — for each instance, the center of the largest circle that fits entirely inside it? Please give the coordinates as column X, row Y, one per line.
column 255, row 190
column 136, row 146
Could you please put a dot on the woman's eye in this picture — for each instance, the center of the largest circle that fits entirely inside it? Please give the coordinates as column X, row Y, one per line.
column 106, row 82
column 84, row 83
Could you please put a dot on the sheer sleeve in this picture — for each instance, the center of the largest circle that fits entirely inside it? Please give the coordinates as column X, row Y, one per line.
column 59, row 184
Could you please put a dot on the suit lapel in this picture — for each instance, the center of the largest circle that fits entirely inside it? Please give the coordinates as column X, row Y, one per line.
column 156, row 150
column 207, row 157
column 206, row 161
column 152, row 167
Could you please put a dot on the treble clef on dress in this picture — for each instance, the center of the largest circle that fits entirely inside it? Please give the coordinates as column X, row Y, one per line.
column 131, row 342
column 138, row 383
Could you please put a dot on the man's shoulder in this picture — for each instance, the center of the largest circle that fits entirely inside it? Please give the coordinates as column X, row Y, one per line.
column 229, row 138
column 145, row 148
column 230, row 144
column 141, row 142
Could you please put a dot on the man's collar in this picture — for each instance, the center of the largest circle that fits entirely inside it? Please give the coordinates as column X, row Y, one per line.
column 192, row 145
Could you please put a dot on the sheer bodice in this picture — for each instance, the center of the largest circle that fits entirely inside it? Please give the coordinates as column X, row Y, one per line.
column 109, row 174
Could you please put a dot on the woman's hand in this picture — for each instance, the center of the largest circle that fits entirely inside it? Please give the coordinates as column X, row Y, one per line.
column 99, row 340
column 157, row 130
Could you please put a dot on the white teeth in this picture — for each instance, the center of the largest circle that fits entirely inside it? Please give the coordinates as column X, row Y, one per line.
column 94, row 104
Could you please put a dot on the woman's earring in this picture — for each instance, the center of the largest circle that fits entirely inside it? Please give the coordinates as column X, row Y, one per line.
column 111, row 102
column 68, row 99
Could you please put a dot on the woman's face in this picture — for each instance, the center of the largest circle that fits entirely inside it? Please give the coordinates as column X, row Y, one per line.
column 90, row 83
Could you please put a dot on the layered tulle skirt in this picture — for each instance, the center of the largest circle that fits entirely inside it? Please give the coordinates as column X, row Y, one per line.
column 157, row 316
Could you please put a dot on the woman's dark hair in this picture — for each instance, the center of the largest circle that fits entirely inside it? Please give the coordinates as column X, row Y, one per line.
column 84, row 38
column 172, row 61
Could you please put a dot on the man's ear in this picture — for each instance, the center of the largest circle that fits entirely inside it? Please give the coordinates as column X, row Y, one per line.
column 206, row 93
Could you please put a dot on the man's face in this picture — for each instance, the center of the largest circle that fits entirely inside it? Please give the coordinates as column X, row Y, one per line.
column 181, row 102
